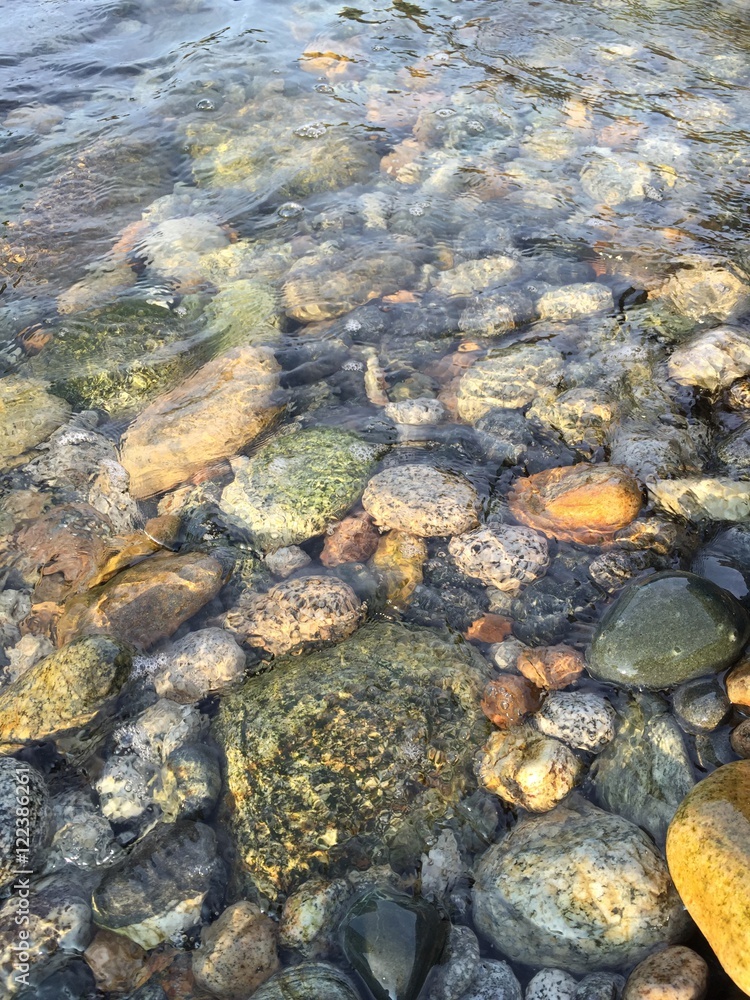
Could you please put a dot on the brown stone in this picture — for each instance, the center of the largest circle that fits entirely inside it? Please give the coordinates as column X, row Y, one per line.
column 164, row 530
column 237, row 953
column 738, row 684
column 398, row 561
column 551, row 667
column 115, row 960
column 740, row 739
column 509, row 699
column 488, row 628
column 352, row 540
column 210, row 416
column 147, row 602
column 577, row 503
column 676, row 973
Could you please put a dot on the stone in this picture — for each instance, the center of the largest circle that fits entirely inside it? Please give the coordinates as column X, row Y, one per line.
column 398, row 562
column 475, row 275
column 115, row 961
column 613, row 181
column 504, row 556
column 421, row 500
column 738, row 684
column 28, row 415
column 243, row 312
column 505, row 435
column 510, row 378
column 311, row 916
column 708, row 852
column 667, row 629
column 508, row 700
column 701, row 704
column 237, row 952
column 319, row 753
column 734, row 452
column 600, row 895
column 654, row 451
column 157, row 891
column 493, row 981
column 581, row 416
column 582, row 719
column 600, row 986
column 579, row 503
column 551, row 667
column 676, row 973
column 24, row 801
column 551, row 984
column 83, row 837
column 573, row 301
column 210, row 416
column 490, row 628
column 309, row 981
column 286, row 560
column 706, row 293
column 393, row 941
column 201, row 663
column 146, row 602
column 656, row 534
column 416, row 412
column 296, row 614
column 712, row 360
column 298, row 484
column 63, row 691
column 352, row 540
column 616, row 567
column 189, row 783
column 702, row 498
column 458, row 969
column 527, row 769
column 740, row 739
column 646, row 771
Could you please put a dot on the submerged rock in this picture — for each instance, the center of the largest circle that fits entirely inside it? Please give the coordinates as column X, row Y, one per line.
column 582, row 719
column 511, row 378
column 421, row 500
column 572, row 301
column 702, row 498
column 200, row 663
column 712, row 360
column 309, row 981
column 237, row 952
column 28, row 415
column 324, row 767
column 25, row 799
column 676, row 973
column 501, row 555
column 705, row 292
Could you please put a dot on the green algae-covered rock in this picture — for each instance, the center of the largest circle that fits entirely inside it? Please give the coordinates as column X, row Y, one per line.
column 243, row 312
column 299, row 483
column 28, row 415
column 667, row 629
column 333, row 758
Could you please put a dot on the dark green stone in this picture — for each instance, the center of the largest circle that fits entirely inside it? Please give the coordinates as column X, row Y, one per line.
column 392, row 941
column 666, row 630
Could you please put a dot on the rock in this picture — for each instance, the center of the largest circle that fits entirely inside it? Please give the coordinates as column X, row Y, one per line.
column 657, row 450
column 421, row 500
column 505, row 434
column 574, row 301
column 398, row 562
column 212, row 415
column 146, row 602
column 285, row 751
column 510, row 378
column 311, row 916
column 646, row 771
column 675, row 973
column 702, row 498
column 83, row 837
column 610, row 181
column 507, row 700
column 489, row 628
column 63, row 691
column 157, row 891
column 416, row 412
column 550, row 667
column 551, row 984
column 190, row 783
column 738, row 684
column 654, row 534
column 297, row 613
column 393, row 941
column 458, row 969
column 24, row 801
column 706, row 293
column 287, row 560
column 612, row 902
column 501, row 555
column 237, row 952
column 475, row 275
column 492, row 313
column 296, row 485
column 734, row 452
column 243, row 312
column 701, row 704
column 613, row 569
column 309, row 981
column 527, row 769
column 115, row 961
column 708, row 852
column 493, row 981
column 29, row 415
column 600, row 986
column 667, row 629
column 201, row 663
column 582, row 417
column 580, row 503
column 712, row 360
column 352, row 540
column 582, row 719
column 740, row 739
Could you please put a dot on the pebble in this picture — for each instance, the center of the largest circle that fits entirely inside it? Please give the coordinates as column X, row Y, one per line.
column 311, row 915
column 740, row 739
column 506, row 655
column 237, row 952
column 738, row 684
column 712, row 360
column 494, row 981
column 551, row 984
column 203, row 662
column 705, row 293
column 399, row 561
column 511, row 378
column 82, row 835
column 600, row 986
column 582, row 719
column 453, row 977
column 508, row 700
column 415, row 412
column 504, row 556
column 701, row 705
column 287, row 560
column 702, row 498
column 115, row 961
column 550, row 667
column 475, row 275
column 675, row 973
column 421, row 500
column 309, row 981
column 29, row 415
column 354, row 539
column 582, row 416
column 573, row 301
column 23, row 794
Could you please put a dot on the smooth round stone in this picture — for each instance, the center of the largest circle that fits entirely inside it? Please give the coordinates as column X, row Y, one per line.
column 551, row 984
column 708, row 852
column 421, row 500
column 582, row 719
column 740, row 739
column 494, row 981
column 505, row 556
column 600, row 986
column 725, row 560
column 666, row 630
column 577, row 889
column 22, row 787
column 701, row 704
column 673, row 974
column 237, row 953
column 309, row 981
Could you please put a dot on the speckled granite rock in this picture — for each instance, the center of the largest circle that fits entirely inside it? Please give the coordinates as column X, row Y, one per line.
column 551, row 984
column 582, row 719
column 201, row 662
column 505, row 556
column 706, row 292
column 421, row 500
column 309, row 981
column 300, row 812
column 237, row 952
column 676, row 973
column 702, row 498
column 493, row 981
column 712, row 360
column 612, row 902
column 572, row 301
column 24, row 801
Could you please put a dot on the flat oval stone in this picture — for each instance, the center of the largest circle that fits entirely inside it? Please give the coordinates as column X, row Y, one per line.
column 666, row 630
column 708, row 853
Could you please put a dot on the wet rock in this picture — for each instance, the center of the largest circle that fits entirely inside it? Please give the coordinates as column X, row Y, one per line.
column 510, row 378
column 415, row 412
column 505, row 435
column 237, row 952
column 492, row 313
column 701, row 704
column 581, row 503
column 474, row 275
column 582, row 719
column 459, row 967
column 707, row 498
column 63, row 691
column 675, row 973
column 421, row 500
column 115, row 961
column 299, row 483
column 650, row 533
column 612, row 903
column 398, row 561
column 243, row 312
column 667, row 629
column 24, row 799
column 201, row 663
column 583, row 417
column 613, row 569
column 527, row 769
column 706, row 293
column 734, row 452
column 211, row 416
column 82, row 837
column 146, row 602
column 29, row 415
column 190, row 783
column 311, row 915
column 613, row 181
column 708, row 851
column 317, row 815
column 738, row 684
column 501, row 555
column 393, row 941
column 600, row 986
column 712, row 360
column 551, row 984
column 573, row 301
column 550, row 667
column 740, row 739
column 297, row 613
column 287, row 560
column 646, row 771
column 489, row 628
column 652, row 450
column 309, row 981
column 493, row 981
column 157, row 892
column 352, row 540
column 508, row 700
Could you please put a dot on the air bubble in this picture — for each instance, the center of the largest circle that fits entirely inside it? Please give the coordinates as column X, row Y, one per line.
column 290, row 209
column 205, row 105
column 313, row 130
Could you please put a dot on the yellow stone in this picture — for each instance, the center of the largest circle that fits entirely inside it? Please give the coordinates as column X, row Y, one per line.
column 708, row 853
column 399, row 559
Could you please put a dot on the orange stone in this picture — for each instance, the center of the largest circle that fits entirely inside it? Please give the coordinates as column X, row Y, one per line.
column 488, row 628
column 509, row 699
column 577, row 503
column 551, row 667
column 115, row 960
column 352, row 540
column 738, row 684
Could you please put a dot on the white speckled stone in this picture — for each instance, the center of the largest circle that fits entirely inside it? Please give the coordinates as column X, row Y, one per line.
column 581, row 719
column 423, row 410
column 421, row 500
column 505, row 556
column 494, row 981
column 672, row 974
column 572, row 301
column 551, row 984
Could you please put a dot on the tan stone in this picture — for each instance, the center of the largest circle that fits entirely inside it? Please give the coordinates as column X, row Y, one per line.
column 28, row 415
column 398, row 561
column 551, row 667
column 738, row 684
column 509, row 699
column 708, row 852
column 212, row 415
column 115, row 960
column 352, row 540
column 579, row 503
column 489, row 628
column 675, row 973
column 237, row 953
column 740, row 739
